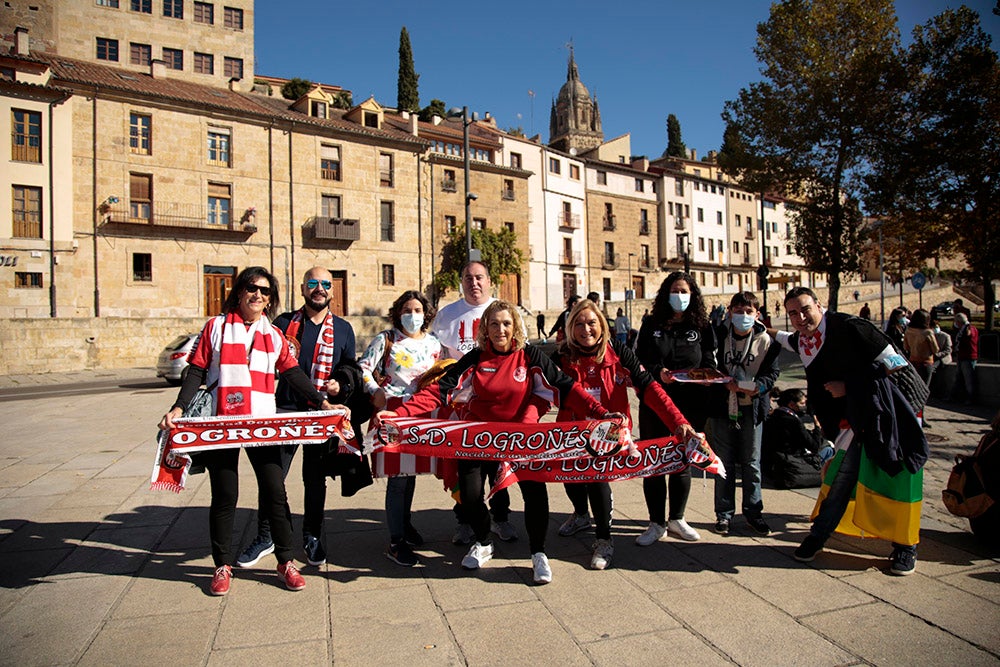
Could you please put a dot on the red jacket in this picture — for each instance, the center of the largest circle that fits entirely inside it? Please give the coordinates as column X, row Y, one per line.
column 609, row 381
column 966, row 344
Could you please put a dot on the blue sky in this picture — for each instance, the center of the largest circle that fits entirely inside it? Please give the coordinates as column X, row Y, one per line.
column 643, row 59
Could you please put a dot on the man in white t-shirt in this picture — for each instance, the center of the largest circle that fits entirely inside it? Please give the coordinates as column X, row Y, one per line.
column 456, row 325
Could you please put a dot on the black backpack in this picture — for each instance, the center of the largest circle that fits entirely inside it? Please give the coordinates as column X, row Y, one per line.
column 973, row 489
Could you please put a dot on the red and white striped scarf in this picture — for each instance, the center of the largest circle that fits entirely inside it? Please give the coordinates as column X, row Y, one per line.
column 247, row 358
column 322, row 361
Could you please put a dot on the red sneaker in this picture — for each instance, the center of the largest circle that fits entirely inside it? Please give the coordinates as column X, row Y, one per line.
column 290, row 574
column 220, row 581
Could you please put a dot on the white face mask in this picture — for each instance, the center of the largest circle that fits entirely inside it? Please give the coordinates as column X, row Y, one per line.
column 742, row 321
column 679, row 302
column 412, row 322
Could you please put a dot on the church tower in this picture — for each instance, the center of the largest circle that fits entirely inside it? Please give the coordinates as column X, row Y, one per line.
column 575, row 120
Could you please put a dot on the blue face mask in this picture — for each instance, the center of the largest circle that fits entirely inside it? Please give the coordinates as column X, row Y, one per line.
column 412, row 322
column 905, row 321
column 742, row 322
column 679, row 302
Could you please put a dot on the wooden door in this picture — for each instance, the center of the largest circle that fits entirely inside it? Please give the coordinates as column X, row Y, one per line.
column 638, row 287
column 510, row 288
column 218, row 284
column 338, row 293
column 569, row 286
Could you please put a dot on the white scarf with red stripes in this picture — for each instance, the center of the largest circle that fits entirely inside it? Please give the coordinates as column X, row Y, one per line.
column 247, row 358
column 322, row 361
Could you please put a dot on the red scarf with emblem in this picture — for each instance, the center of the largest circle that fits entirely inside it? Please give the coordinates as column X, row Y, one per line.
column 322, row 361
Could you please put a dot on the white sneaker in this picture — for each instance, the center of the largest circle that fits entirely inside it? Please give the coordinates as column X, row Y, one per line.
column 574, row 524
column 603, row 550
column 681, row 529
column 541, row 569
column 479, row 555
column 653, row 533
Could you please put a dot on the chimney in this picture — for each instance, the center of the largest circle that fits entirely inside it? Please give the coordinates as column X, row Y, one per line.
column 693, row 154
column 436, row 119
column 234, row 84
column 21, row 46
column 405, row 114
column 641, row 163
column 158, row 69
column 413, row 124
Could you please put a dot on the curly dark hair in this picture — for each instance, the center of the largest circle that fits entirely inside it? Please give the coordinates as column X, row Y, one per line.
column 395, row 313
column 663, row 313
column 249, row 276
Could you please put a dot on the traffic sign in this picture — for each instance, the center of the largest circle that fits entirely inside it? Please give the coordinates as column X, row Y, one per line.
column 919, row 280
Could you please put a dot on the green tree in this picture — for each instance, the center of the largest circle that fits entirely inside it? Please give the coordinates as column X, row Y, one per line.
column 343, row 100
column 935, row 178
column 806, row 128
column 675, row 145
column 296, row 88
column 498, row 249
column 407, row 97
column 435, row 108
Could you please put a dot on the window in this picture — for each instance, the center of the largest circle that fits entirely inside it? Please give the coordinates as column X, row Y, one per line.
column 173, row 9
column 330, row 206
column 736, row 247
column 609, row 217
column 701, row 245
column 701, row 215
column 317, row 108
column 788, row 250
column 388, row 275
column 450, row 223
column 139, row 54
column 140, row 133
column 385, row 176
column 479, row 223
column 27, row 212
column 643, row 221
column 24, row 279
column 26, row 136
column 711, row 250
column 387, row 225
column 718, row 217
column 670, row 207
column 644, row 255
column 108, row 3
column 448, row 181
column 515, row 160
column 204, row 63
column 508, row 189
column 232, row 67
column 371, row 119
column 738, row 221
column 220, row 199
column 232, row 18
column 174, row 58
column 606, row 288
column 142, row 267
column 609, row 253
column 721, row 247
column 602, row 178
column 144, row 6
column 555, row 166
column 107, row 49
column 508, row 226
column 218, row 146
column 574, row 172
column 679, row 187
column 329, row 162
column 204, row 12
column 640, row 185
column 140, row 197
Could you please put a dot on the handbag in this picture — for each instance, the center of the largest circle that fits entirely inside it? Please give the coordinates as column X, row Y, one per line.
column 907, row 380
column 379, row 372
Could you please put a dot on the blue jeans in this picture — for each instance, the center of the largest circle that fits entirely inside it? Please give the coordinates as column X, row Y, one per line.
column 737, row 445
column 832, row 509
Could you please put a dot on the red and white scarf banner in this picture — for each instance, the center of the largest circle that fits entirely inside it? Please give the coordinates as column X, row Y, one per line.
column 499, row 441
column 660, row 456
column 202, row 434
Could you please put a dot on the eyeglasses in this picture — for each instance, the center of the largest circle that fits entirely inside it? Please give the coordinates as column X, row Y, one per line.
column 265, row 291
column 313, row 284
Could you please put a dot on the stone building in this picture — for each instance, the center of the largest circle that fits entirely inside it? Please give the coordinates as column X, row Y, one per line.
column 575, row 119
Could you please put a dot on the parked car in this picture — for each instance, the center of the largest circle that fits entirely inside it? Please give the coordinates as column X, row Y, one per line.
column 943, row 309
column 173, row 361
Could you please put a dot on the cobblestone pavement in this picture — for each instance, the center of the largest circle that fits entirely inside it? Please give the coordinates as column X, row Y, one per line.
column 99, row 570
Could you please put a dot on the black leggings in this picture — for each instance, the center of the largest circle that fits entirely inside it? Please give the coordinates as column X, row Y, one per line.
column 601, row 504
column 471, row 489
column 224, row 477
column 655, row 491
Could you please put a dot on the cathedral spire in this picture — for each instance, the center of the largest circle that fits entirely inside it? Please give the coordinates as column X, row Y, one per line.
column 575, row 122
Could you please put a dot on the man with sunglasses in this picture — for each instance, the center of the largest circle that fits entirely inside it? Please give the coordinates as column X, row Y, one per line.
column 325, row 347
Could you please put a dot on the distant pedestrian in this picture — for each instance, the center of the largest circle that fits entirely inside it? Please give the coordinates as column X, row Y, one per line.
column 941, row 357
column 958, row 307
column 622, row 326
column 540, row 322
column 965, row 354
column 866, row 312
column 558, row 327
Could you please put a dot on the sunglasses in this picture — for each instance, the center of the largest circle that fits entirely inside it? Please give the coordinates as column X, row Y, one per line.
column 313, row 284
column 265, row 291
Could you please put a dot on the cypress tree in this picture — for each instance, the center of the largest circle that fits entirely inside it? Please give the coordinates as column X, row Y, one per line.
column 407, row 97
column 675, row 145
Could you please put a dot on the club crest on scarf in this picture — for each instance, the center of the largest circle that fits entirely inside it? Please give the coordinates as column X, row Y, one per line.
column 606, row 438
column 293, row 346
column 234, row 399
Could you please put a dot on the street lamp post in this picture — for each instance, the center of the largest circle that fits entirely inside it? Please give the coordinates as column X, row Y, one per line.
column 469, row 196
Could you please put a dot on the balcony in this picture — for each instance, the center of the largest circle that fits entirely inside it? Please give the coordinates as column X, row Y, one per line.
column 680, row 222
column 749, row 234
column 569, row 220
column 644, row 227
column 571, row 258
column 745, row 260
column 507, row 195
column 609, row 223
column 646, row 264
column 322, row 229
column 165, row 218
column 610, row 261
column 448, row 185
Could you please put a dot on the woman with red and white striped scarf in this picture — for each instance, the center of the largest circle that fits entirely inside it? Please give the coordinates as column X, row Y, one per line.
column 237, row 355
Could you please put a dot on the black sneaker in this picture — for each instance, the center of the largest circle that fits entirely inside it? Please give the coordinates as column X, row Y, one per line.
column 402, row 554
column 810, row 546
column 904, row 562
column 722, row 526
column 315, row 553
column 758, row 525
column 411, row 536
column 261, row 546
